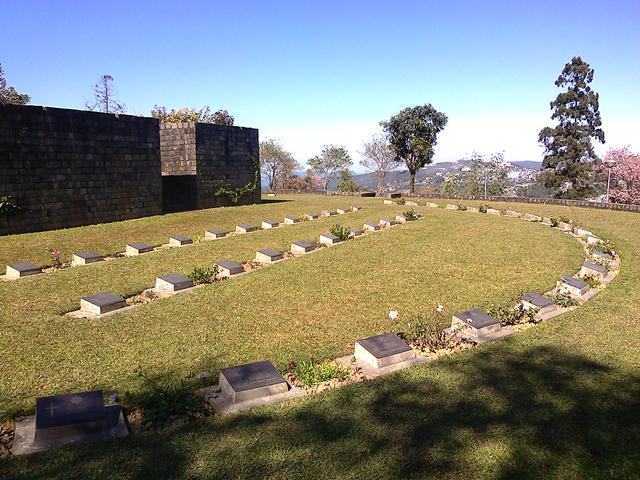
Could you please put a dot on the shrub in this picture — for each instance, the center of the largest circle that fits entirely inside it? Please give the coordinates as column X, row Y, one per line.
column 427, row 334
column 605, row 246
column 201, row 275
column 163, row 398
column 483, row 208
column 340, row 231
column 564, row 300
column 8, row 205
column 401, row 201
column 410, row 215
column 311, row 372
column 557, row 219
column 512, row 315
column 592, row 281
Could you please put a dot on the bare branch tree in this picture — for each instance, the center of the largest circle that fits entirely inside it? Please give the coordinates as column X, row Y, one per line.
column 104, row 97
column 380, row 158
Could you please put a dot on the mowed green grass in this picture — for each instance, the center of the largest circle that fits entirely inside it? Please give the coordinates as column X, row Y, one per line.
column 557, row 401
column 313, row 305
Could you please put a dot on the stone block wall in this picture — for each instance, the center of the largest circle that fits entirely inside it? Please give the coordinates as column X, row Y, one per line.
column 66, row 168
column 227, row 157
column 218, row 155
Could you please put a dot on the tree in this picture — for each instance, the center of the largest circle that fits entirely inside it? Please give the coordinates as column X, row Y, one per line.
column 204, row 115
column 345, row 182
column 413, row 134
column 569, row 155
column 9, row 95
column 276, row 164
column 625, row 175
column 380, row 158
column 104, row 97
column 331, row 160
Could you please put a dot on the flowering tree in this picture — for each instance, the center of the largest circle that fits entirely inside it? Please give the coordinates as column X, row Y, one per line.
column 625, row 175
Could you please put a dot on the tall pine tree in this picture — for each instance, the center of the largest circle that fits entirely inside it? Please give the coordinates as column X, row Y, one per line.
column 569, row 156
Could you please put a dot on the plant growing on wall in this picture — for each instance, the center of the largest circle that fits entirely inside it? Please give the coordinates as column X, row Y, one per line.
column 8, row 206
column 235, row 194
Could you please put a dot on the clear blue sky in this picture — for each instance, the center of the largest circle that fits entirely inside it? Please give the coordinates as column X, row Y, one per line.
column 313, row 73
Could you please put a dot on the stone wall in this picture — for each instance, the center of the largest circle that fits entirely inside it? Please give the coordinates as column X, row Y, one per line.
column 227, row 157
column 218, row 155
column 67, row 168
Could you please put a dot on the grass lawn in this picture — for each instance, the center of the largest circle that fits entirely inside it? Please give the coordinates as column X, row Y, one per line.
column 557, row 401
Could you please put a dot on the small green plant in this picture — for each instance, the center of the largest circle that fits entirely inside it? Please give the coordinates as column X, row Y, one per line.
column 605, row 246
column 564, row 300
column 461, row 207
column 555, row 221
column 401, row 201
column 483, row 208
column 340, row 231
column 410, row 215
column 428, row 333
column 162, row 398
column 512, row 315
column 310, row 372
column 201, row 275
column 592, row 281
column 8, row 206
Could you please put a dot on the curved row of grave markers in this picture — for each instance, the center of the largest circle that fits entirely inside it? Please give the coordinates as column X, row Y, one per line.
column 106, row 303
column 15, row 271
column 61, row 420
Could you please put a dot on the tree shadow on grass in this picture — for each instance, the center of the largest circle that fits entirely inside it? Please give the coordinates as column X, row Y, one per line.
column 498, row 413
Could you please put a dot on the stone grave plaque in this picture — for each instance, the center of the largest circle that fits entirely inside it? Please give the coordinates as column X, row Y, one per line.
column 270, row 224
column 173, row 282
column 290, row 220
column 452, row 207
column 84, row 258
column 245, row 228
column 387, row 222
column 252, row 381
column 592, row 240
column 573, row 286
column 68, row 419
column 371, row 227
column 382, row 350
column 179, row 240
column 228, row 268
column 594, row 270
column 329, row 239
column 300, row 246
column 311, row 216
column 100, row 303
column 355, row 232
column 138, row 248
column 532, row 300
column 214, row 233
column 477, row 322
column 493, row 211
column 268, row 255
column 23, row 269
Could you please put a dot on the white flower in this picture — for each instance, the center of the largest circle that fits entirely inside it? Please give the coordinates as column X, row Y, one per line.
column 393, row 314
